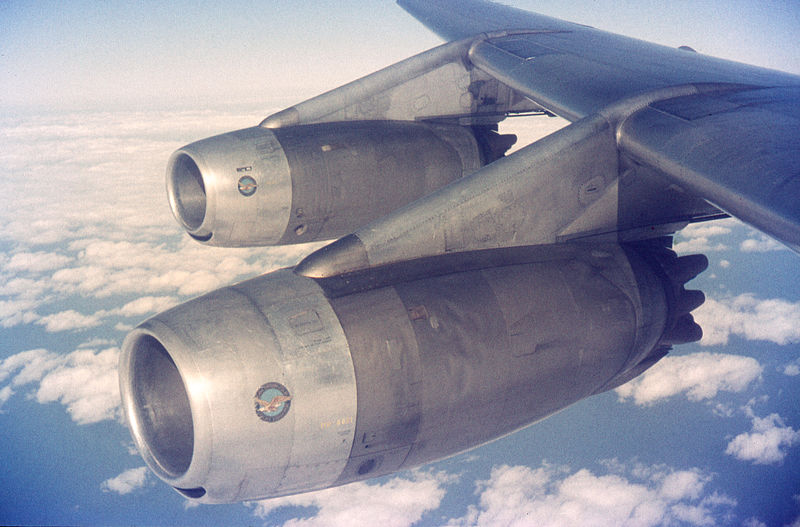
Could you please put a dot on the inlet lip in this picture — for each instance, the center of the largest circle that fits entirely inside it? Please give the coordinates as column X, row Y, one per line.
column 157, row 405
column 164, row 404
column 187, row 191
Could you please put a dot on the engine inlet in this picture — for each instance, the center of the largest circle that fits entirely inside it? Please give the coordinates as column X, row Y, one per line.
column 160, row 417
column 187, row 191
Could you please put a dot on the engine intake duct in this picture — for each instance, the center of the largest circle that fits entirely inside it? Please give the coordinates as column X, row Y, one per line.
column 303, row 183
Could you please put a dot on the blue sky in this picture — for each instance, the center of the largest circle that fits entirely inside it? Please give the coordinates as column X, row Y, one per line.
column 115, row 53
column 96, row 97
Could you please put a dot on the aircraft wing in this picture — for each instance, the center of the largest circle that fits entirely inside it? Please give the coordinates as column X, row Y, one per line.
column 571, row 69
column 726, row 132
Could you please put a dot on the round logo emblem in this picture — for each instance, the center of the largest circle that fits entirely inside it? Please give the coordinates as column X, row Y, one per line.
column 247, row 186
column 272, row 402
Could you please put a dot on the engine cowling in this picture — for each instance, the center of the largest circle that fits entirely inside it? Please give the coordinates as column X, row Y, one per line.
column 260, row 186
column 284, row 384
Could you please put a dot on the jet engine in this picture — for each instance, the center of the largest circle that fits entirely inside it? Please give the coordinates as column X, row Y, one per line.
column 284, row 383
column 261, row 186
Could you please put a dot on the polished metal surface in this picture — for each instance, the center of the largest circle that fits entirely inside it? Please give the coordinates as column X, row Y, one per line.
column 438, row 83
column 506, row 204
column 206, row 193
column 450, row 362
column 314, row 182
column 282, row 384
column 571, row 69
column 191, row 381
column 749, row 165
column 740, row 150
column 161, row 412
column 345, row 175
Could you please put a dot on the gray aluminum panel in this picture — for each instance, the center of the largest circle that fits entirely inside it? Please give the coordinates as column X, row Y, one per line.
column 437, row 83
column 585, row 69
column 739, row 150
column 508, row 203
column 230, row 215
column 275, row 330
column 318, row 367
column 388, row 376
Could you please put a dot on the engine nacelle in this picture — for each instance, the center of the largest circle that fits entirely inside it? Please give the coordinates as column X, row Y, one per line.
column 261, row 186
column 284, row 384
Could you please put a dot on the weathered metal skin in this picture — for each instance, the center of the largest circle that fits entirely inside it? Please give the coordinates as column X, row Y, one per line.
column 203, row 427
column 601, row 194
column 303, row 183
column 305, row 384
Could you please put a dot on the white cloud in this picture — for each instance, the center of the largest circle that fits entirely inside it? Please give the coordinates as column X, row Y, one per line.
column 766, row 443
column 761, row 244
column 103, row 268
column 37, row 262
column 32, row 365
column 124, row 328
column 685, row 483
column 97, row 342
column 5, row 394
column 126, row 482
column 399, row 502
column 530, row 130
column 751, row 318
column 699, row 375
column 69, row 320
column 522, row 496
column 15, row 312
column 84, row 381
column 144, row 305
column 698, row 237
column 157, row 271
column 99, row 159
column 698, row 245
column 87, row 384
column 708, row 229
column 27, row 288
column 792, row 369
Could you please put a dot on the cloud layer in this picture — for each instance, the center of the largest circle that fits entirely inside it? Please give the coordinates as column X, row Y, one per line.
column 158, row 274
column 115, row 235
column 111, row 255
column 701, row 237
column 761, row 244
column 548, row 496
column 634, row 496
column 84, row 381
